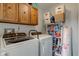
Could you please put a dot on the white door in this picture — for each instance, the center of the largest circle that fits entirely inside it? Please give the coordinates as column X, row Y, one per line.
column 78, row 29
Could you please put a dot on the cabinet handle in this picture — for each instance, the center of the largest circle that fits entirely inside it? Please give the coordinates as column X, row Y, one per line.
column 9, row 7
column 24, row 12
column 34, row 15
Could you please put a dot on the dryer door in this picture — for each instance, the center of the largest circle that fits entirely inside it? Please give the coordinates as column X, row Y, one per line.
column 46, row 47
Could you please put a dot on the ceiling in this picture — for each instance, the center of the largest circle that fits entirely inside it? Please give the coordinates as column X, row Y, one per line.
column 47, row 5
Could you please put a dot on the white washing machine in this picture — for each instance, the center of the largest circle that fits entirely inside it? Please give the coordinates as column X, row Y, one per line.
column 30, row 48
column 25, row 48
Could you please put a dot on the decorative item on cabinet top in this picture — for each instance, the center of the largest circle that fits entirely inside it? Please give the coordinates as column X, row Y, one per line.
column 35, row 5
column 17, row 13
column 60, row 14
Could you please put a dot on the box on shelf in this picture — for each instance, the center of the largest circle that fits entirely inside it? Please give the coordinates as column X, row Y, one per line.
column 59, row 9
column 47, row 17
column 60, row 14
column 60, row 17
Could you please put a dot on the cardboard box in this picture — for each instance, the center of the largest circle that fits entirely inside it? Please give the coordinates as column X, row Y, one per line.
column 60, row 17
column 59, row 9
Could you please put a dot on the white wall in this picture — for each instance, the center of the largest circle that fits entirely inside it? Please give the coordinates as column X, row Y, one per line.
column 39, row 27
column 41, row 24
column 23, row 28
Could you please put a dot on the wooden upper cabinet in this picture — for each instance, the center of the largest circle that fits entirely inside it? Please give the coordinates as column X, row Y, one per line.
column 1, row 11
column 34, row 16
column 10, row 12
column 24, row 13
column 18, row 13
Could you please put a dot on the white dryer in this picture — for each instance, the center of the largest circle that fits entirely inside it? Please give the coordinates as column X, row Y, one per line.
column 45, row 45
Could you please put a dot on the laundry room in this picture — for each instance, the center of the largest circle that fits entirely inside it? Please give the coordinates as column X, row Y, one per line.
column 39, row 29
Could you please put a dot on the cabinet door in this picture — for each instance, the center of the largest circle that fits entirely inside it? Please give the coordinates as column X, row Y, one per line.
column 1, row 11
column 34, row 16
column 24, row 13
column 10, row 12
